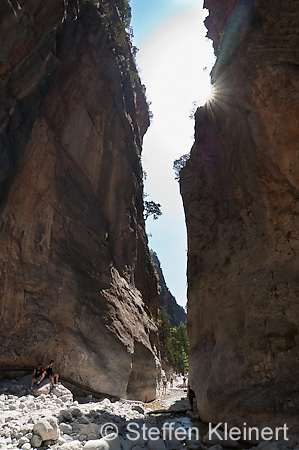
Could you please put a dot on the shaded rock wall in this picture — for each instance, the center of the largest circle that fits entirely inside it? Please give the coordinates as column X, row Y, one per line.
column 166, row 300
column 77, row 282
column 240, row 190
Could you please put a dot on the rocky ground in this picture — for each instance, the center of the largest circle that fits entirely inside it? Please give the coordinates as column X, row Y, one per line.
column 55, row 420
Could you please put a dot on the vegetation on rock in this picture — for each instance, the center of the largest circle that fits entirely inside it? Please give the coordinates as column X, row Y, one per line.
column 174, row 343
column 179, row 164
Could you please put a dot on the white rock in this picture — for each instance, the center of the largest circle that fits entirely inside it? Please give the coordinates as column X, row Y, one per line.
column 156, row 444
column 36, row 441
column 105, row 403
column 43, row 388
column 109, row 442
column 61, row 391
column 3, row 446
column 47, row 429
column 23, row 440
column 26, row 446
column 97, row 444
column 73, row 445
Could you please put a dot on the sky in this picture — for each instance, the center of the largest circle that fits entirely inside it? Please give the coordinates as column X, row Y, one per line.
column 174, row 62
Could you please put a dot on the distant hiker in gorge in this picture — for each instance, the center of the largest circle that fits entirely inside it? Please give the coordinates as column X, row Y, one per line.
column 191, row 396
column 184, row 382
column 37, row 375
column 171, row 381
column 164, row 386
column 48, row 373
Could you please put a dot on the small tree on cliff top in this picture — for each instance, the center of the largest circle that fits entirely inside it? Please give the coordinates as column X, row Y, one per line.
column 179, row 164
column 152, row 209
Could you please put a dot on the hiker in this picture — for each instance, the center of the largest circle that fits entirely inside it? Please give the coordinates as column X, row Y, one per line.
column 164, row 385
column 171, row 381
column 48, row 372
column 184, row 382
column 37, row 375
column 191, row 396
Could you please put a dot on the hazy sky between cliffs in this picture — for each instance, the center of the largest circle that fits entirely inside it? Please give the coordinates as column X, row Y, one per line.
column 174, row 61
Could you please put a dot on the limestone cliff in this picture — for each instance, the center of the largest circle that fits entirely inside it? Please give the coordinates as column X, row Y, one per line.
column 166, row 300
column 240, row 189
column 77, row 282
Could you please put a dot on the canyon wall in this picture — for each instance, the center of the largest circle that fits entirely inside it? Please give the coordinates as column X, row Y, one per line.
column 167, row 301
column 77, row 282
column 240, row 190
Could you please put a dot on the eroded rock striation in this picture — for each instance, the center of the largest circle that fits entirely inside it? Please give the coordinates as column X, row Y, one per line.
column 240, row 193
column 77, row 283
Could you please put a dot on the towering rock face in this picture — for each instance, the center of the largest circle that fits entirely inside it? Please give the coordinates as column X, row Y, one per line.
column 240, row 190
column 166, row 300
column 77, row 283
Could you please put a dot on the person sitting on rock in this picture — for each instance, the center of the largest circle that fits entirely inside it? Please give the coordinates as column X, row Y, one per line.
column 37, row 375
column 48, row 373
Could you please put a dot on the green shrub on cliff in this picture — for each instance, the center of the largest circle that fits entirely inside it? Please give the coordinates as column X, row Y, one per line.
column 179, row 164
column 174, row 344
column 124, row 8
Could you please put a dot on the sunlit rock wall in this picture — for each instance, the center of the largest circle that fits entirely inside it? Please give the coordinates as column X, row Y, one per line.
column 76, row 279
column 240, row 190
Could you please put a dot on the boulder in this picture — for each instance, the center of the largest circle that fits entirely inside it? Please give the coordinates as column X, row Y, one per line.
column 109, row 442
column 42, row 388
column 75, row 411
column 67, row 415
column 65, row 428
column 97, row 444
column 72, row 445
column 61, row 391
column 36, row 441
column 47, row 429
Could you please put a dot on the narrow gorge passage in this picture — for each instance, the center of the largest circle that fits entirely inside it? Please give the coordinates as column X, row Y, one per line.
column 77, row 168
